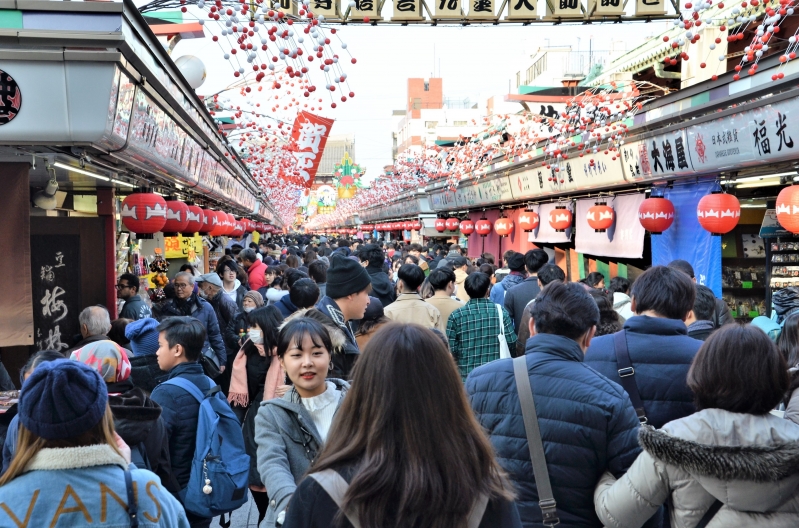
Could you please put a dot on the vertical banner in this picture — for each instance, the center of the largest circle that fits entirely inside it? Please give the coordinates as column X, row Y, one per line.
column 687, row 240
column 308, row 139
column 624, row 239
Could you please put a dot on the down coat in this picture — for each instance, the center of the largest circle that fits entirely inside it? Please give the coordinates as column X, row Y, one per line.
column 749, row 463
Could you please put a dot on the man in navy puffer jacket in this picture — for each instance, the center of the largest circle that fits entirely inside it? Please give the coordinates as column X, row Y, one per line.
column 657, row 340
column 587, row 423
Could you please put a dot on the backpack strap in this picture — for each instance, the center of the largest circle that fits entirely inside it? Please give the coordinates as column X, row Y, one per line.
column 133, row 507
column 546, row 499
column 627, row 373
column 709, row 514
column 478, row 510
column 193, row 389
column 335, row 486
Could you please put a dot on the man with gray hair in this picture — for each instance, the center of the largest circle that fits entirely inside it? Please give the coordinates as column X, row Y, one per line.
column 94, row 325
column 188, row 303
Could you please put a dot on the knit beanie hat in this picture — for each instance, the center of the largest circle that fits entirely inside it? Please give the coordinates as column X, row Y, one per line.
column 107, row 358
column 255, row 297
column 143, row 336
column 62, row 399
column 516, row 262
column 345, row 277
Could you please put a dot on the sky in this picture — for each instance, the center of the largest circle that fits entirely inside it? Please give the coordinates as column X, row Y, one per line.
column 475, row 62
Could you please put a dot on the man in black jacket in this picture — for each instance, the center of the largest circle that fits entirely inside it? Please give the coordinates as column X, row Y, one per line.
column 721, row 312
column 382, row 288
column 520, row 295
column 135, row 307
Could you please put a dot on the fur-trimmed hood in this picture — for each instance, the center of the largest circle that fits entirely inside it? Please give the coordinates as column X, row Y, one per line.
column 337, row 336
column 750, row 463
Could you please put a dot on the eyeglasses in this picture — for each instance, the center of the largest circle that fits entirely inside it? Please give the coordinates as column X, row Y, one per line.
column 122, row 286
column 181, row 285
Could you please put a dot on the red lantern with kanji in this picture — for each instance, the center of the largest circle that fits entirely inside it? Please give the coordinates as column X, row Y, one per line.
column 352, row 231
column 483, row 227
column 177, row 218
column 406, row 226
column 600, row 217
column 528, row 221
column 416, row 225
column 503, row 226
column 560, row 219
column 367, row 227
column 206, row 226
column 218, row 220
column 379, row 228
column 144, row 213
column 788, row 208
column 656, row 215
column 452, row 224
column 718, row 213
column 441, row 225
column 194, row 217
column 467, row 227
column 238, row 228
column 249, row 225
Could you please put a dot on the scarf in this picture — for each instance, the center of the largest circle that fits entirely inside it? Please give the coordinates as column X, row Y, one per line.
column 239, row 393
column 185, row 307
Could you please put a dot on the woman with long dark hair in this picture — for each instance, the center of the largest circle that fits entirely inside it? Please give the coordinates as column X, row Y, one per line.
column 788, row 345
column 609, row 322
column 407, row 446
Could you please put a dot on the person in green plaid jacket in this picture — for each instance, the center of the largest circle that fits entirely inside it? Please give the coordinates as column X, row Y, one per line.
column 472, row 330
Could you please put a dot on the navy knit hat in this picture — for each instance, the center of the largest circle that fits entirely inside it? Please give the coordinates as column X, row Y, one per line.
column 345, row 277
column 62, row 399
column 143, row 336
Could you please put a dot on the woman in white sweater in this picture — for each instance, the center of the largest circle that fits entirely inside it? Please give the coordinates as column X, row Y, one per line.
column 291, row 430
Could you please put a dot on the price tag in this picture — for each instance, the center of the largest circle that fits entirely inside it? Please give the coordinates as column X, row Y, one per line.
column 747, row 285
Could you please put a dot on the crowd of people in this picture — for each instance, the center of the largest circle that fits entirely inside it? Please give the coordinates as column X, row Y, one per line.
column 399, row 385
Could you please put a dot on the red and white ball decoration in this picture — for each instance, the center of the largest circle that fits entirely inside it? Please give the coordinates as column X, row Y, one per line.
column 503, row 226
column 600, row 217
column 529, row 221
column 467, row 227
column 441, row 225
column 144, row 213
column 452, row 224
column 656, row 215
column 417, row 225
column 483, row 227
column 718, row 213
column 560, row 219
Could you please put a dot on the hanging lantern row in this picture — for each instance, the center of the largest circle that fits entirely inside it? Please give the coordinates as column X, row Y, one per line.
column 148, row 213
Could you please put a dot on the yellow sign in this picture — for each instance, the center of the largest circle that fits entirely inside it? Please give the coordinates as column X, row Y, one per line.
column 183, row 247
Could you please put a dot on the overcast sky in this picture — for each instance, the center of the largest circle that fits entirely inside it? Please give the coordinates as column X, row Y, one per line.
column 475, row 62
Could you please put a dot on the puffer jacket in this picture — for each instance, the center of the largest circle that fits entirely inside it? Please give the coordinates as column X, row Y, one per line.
column 661, row 353
column 497, row 295
column 201, row 310
column 288, row 443
column 145, row 372
column 749, row 463
column 226, row 311
column 588, row 426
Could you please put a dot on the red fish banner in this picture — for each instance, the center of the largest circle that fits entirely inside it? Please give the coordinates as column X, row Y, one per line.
column 308, row 139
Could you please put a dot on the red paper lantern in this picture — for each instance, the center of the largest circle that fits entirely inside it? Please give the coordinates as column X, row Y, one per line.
column 238, row 228
column 379, row 228
column 177, row 218
column 231, row 224
column 452, row 224
column 560, row 219
column 503, row 226
column 483, row 227
column 528, row 221
column 144, row 213
column 441, row 225
column 206, row 226
column 367, row 227
column 416, row 225
column 352, row 231
column 718, row 213
column 467, row 227
column 194, row 217
column 249, row 225
column 218, row 221
column 656, row 215
column 788, row 208
column 406, row 226
column 600, row 217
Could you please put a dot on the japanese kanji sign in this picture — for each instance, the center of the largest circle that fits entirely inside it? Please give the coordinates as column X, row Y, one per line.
column 366, row 8
column 564, row 9
column 308, row 137
column 10, row 98
column 328, row 8
column 522, row 10
column 407, row 10
column 606, row 7
column 447, row 9
column 55, row 263
column 481, row 9
column 650, row 7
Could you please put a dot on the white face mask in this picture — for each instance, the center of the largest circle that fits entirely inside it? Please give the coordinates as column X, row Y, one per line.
column 255, row 336
column 249, row 309
column 396, row 276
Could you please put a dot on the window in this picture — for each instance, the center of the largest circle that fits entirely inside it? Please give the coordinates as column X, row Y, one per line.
column 427, row 87
column 431, row 124
column 460, row 123
column 417, row 103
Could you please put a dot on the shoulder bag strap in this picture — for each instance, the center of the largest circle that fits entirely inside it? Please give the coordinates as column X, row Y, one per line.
column 708, row 516
column 335, row 486
column 546, row 499
column 627, row 373
column 133, row 507
column 478, row 510
column 501, row 321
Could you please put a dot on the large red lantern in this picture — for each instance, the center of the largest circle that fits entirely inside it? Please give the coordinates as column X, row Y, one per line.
column 452, row 224
column 600, row 217
column 367, row 227
column 718, row 213
column 560, row 219
column 207, row 222
column 218, row 220
column 238, row 228
column 249, row 225
column 379, row 228
column 788, row 208
column 144, row 213
column 194, row 215
column 656, row 215
column 231, row 224
column 406, row 226
column 177, row 218
column 467, row 227
column 352, row 231
column 416, row 225
column 503, row 226
column 441, row 225
column 483, row 227
column 528, row 221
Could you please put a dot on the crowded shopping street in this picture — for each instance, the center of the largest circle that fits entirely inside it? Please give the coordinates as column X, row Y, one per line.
column 399, row 264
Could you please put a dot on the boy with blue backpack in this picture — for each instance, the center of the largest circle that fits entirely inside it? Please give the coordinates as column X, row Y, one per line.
column 206, row 446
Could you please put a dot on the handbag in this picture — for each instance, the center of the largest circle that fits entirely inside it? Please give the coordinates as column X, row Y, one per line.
column 504, row 351
column 209, row 367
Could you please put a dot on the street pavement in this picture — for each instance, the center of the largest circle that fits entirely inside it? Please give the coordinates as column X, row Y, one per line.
column 244, row 517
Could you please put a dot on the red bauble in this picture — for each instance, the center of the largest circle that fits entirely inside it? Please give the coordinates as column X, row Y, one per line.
column 452, row 224
column 417, row 225
column 719, row 213
column 600, row 217
column 467, row 227
column 560, row 219
column 483, row 227
column 177, row 218
column 144, row 213
column 788, row 208
column 503, row 226
column 528, row 221
column 194, row 216
column 656, row 215
column 441, row 225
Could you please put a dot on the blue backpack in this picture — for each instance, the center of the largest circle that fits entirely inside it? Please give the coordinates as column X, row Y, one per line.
column 220, row 469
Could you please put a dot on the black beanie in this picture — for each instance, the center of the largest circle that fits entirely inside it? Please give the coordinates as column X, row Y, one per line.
column 345, row 277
